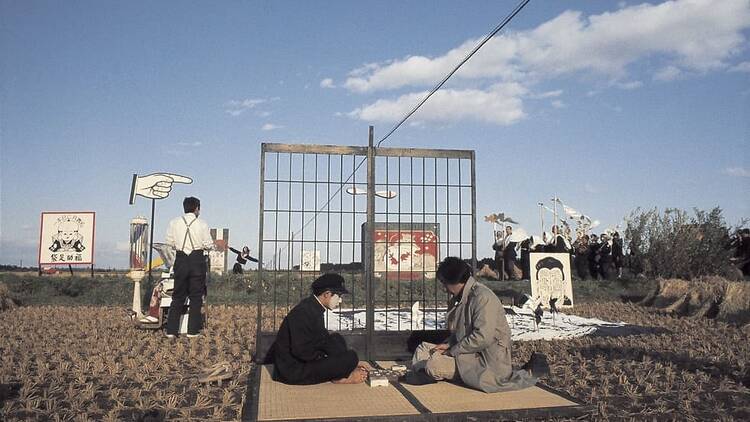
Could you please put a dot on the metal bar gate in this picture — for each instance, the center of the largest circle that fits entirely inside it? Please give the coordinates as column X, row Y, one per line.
column 383, row 218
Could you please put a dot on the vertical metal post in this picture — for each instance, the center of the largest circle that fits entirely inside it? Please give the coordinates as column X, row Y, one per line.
column 473, row 211
column 151, row 245
column 541, row 216
column 555, row 222
column 369, row 246
column 259, row 282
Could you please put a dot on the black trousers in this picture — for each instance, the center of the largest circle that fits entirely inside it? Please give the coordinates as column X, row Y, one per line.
column 582, row 266
column 237, row 268
column 189, row 282
column 510, row 267
column 338, row 363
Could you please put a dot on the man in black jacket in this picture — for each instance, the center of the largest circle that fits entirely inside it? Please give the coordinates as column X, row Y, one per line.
column 304, row 351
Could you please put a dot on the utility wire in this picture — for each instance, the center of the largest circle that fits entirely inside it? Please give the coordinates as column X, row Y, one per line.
column 497, row 29
column 489, row 36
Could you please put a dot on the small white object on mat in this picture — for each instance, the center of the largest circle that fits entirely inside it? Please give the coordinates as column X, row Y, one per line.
column 398, row 368
column 377, row 381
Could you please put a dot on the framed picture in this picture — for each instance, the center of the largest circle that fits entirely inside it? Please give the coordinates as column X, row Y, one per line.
column 67, row 238
column 550, row 278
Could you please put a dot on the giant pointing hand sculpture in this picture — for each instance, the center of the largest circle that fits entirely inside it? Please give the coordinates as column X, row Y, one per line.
column 155, row 185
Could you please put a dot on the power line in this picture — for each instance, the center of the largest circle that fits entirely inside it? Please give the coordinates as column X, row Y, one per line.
column 489, row 36
column 497, row 29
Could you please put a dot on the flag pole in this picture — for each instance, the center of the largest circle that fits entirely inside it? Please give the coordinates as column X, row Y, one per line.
column 555, row 222
column 541, row 215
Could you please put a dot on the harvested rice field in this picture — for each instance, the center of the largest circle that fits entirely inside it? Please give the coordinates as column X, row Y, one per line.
column 90, row 363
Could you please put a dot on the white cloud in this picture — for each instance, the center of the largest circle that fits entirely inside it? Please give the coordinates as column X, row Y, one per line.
column 548, row 94
column 190, row 144
column 629, row 85
column 741, row 67
column 237, row 107
column 558, row 104
column 327, row 83
column 603, row 44
column 681, row 36
column 667, row 73
column 500, row 104
column 737, row 171
column 270, row 126
column 589, row 188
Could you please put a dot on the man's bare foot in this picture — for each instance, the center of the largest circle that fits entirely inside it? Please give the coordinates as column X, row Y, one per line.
column 358, row 376
column 364, row 365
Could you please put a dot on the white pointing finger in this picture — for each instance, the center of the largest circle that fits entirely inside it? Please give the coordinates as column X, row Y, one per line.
column 176, row 178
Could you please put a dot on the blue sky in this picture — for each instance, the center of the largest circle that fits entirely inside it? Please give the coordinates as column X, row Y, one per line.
column 609, row 105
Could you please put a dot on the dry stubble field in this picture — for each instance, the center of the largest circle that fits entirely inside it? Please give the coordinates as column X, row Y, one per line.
column 90, row 363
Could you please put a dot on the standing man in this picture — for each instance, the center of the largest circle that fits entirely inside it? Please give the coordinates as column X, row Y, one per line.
column 617, row 254
column 605, row 256
column 497, row 246
column 190, row 237
column 478, row 351
column 581, row 260
column 593, row 257
column 558, row 243
column 509, row 254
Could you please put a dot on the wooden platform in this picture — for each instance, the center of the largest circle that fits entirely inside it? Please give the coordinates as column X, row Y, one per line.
column 268, row 400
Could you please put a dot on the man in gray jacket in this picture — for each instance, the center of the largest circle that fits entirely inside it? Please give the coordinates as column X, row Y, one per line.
column 478, row 351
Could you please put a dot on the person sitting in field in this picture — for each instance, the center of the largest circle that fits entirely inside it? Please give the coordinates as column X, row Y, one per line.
column 242, row 258
column 304, row 351
column 478, row 350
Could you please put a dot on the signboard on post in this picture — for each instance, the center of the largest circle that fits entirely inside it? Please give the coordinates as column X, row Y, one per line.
column 310, row 260
column 67, row 238
column 406, row 251
column 550, row 278
column 218, row 259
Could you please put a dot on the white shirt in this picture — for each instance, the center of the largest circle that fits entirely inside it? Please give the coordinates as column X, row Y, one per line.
column 199, row 233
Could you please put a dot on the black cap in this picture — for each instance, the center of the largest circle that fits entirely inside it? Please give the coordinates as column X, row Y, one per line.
column 329, row 282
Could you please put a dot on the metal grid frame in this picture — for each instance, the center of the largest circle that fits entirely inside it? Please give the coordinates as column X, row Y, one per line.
column 292, row 176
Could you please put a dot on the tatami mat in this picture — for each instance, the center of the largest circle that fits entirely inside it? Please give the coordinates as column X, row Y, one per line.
column 445, row 397
column 279, row 401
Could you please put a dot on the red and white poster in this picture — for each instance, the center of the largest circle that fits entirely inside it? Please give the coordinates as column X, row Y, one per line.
column 406, row 252
column 67, row 238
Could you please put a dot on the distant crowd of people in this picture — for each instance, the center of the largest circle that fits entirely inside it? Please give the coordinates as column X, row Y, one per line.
column 592, row 256
column 597, row 257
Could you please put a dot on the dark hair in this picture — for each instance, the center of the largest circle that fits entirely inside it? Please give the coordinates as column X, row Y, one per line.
column 549, row 263
column 190, row 204
column 453, row 271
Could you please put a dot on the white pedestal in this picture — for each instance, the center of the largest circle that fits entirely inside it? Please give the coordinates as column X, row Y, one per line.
column 137, row 276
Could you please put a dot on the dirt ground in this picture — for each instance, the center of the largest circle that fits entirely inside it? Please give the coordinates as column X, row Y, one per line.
column 90, row 363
